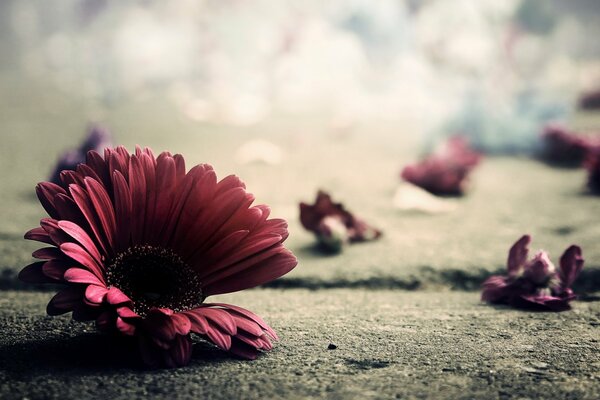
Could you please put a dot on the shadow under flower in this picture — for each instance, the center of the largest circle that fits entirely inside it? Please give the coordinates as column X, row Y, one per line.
column 314, row 250
column 86, row 354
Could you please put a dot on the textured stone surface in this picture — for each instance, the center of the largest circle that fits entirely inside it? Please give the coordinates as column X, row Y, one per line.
column 390, row 344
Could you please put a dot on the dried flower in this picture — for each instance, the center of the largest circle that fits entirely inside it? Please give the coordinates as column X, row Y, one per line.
column 590, row 100
column 592, row 164
column 333, row 224
column 535, row 284
column 97, row 139
column 140, row 244
column 565, row 147
column 444, row 172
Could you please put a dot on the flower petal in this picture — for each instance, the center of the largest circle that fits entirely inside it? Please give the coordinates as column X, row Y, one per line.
column 78, row 275
column 38, row 234
column 65, row 301
column 95, row 294
column 571, row 264
column 77, row 233
column 220, row 318
column 182, row 323
column 84, row 258
column 125, row 327
column 260, row 273
column 495, row 289
column 116, row 296
column 517, row 255
column 33, row 273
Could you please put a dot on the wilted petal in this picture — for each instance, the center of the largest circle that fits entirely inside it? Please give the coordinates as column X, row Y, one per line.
column 571, row 264
column 517, row 255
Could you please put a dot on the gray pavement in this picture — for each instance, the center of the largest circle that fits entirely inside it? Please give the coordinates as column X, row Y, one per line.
column 390, row 344
column 404, row 311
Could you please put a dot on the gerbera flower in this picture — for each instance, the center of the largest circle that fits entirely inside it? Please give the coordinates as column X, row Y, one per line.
column 97, row 139
column 446, row 171
column 333, row 225
column 535, row 284
column 140, row 244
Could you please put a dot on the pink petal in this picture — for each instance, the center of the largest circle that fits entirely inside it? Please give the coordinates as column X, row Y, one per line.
column 85, row 204
column 123, row 206
column 48, row 253
column 180, row 352
column 160, row 325
column 95, row 294
column 220, row 318
column 494, row 289
column 127, row 312
column 222, row 340
column 571, row 264
column 33, row 273
column 125, row 327
column 244, row 257
column 64, row 301
column 182, row 323
column 165, row 193
column 517, row 256
column 56, row 269
column 266, row 271
column 116, row 296
column 104, row 209
column 39, row 235
column 198, row 322
column 84, row 258
column 137, row 186
column 78, row 275
column 150, row 174
column 247, row 314
column 230, row 182
column 77, row 233
column 69, row 211
column 46, row 191
column 221, row 249
column 243, row 350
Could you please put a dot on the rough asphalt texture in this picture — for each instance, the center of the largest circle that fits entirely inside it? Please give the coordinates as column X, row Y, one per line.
column 403, row 312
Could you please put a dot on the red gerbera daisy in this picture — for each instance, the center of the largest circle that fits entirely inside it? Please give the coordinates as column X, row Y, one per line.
column 140, row 244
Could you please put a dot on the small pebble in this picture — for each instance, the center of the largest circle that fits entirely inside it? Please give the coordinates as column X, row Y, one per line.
column 540, row 365
column 331, row 346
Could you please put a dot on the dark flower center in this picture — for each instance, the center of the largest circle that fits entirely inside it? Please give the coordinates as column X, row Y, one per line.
column 155, row 277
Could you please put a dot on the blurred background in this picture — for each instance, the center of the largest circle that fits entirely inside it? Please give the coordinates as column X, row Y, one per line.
column 492, row 69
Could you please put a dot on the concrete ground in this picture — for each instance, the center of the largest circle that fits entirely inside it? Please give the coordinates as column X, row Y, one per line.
column 404, row 312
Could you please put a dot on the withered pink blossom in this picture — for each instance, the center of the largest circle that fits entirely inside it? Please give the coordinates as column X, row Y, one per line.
column 97, row 139
column 590, row 100
column 592, row 164
column 562, row 146
column 446, row 171
column 535, row 284
column 140, row 244
column 333, row 225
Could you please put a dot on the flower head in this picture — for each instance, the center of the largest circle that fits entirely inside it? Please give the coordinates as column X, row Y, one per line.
column 333, row 224
column 565, row 147
column 446, row 171
column 97, row 139
column 140, row 244
column 535, row 284
column 590, row 100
